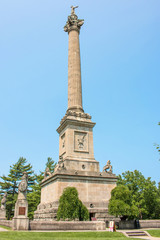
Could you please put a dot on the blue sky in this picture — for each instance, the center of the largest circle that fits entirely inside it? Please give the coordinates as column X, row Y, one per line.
column 120, row 59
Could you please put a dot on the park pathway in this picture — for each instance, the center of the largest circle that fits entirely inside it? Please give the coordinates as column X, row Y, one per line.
column 3, row 230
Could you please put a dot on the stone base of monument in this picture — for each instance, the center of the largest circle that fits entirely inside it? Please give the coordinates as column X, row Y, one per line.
column 67, row 225
column 94, row 190
column 20, row 219
column 20, row 223
column 2, row 214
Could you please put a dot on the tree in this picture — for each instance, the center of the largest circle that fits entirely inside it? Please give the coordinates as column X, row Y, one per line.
column 143, row 191
column 83, row 212
column 121, row 204
column 10, row 183
column 34, row 196
column 70, row 207
column 159, row 189
column 51, row 164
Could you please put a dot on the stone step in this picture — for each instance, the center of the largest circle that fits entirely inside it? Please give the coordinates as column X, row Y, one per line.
column 136, row 233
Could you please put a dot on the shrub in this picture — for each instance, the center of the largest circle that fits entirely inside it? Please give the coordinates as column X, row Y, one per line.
column 70, row 206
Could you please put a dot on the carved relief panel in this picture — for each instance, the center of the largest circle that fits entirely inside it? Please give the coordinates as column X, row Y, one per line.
column 80, row 141
column 22, row 210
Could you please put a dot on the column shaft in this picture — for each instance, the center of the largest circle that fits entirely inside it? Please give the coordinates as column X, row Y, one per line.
column 74, row 73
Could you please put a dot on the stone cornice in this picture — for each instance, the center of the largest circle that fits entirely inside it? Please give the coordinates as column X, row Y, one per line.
column 75, row 122
column 71, row 113
column 79, row 175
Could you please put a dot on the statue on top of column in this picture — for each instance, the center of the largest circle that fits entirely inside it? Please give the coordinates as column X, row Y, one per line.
column 73, row 11
column 73, row 22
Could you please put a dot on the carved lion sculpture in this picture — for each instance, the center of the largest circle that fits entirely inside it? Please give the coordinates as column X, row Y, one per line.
column 47, row 172
column 108, row 166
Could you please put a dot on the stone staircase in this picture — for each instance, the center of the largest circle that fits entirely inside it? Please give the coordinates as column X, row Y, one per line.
column 137, row 234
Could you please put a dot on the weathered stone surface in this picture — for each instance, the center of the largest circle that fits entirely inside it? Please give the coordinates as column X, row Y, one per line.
column 76, row 144
column 142, row 224
column 74, row 65
column 94, row 191
column 20, row 223
column 2, row 214
column 20, row 219
column 127, row 224
column 149, row 223
column 91, row 187
column 7, row 223
column 61, row 225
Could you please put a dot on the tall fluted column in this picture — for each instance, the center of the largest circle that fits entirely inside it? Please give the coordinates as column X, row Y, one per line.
column 74, row 65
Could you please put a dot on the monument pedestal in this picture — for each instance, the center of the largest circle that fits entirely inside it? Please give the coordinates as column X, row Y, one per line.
column 20, row 223
column 94, row 191
column 76, row 143
column 2, row 214
column 20, row 219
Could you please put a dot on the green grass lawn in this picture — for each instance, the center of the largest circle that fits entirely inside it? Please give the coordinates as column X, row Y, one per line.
column 10, row 235
column 154, row 232
column 8, row 228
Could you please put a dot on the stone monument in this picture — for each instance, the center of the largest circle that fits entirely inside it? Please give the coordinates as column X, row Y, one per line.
column 20, row 219
column 3, row 207
column 77, row 166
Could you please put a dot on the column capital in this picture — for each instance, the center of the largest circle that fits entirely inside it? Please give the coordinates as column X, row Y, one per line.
column 73, row 23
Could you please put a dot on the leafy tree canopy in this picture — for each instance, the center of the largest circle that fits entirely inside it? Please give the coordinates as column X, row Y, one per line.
column 70, row 207
column 121, row 203
column 145, row 194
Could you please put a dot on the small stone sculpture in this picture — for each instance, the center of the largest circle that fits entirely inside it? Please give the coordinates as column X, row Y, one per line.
column 24, row 183
column 3, row 202
column 60, row 166
column 22, row 188
column 47, row 173
column 108, row 166
column 72, row 11
column 73, row 21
